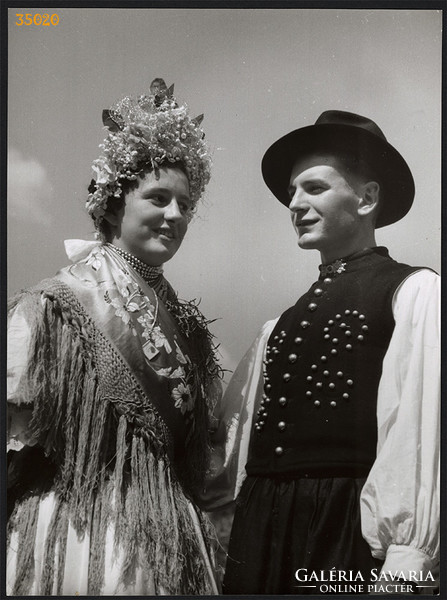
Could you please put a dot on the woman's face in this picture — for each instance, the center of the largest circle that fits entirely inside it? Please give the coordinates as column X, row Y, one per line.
column 153, row 221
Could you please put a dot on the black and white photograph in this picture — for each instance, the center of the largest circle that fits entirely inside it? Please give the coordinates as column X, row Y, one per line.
column 221, row 327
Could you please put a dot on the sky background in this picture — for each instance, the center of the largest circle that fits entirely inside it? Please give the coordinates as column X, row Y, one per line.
column 256, row 74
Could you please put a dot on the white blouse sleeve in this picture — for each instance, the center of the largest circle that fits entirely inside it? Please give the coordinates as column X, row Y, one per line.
column 232, row 438
column 19, row 410
column 400, row 499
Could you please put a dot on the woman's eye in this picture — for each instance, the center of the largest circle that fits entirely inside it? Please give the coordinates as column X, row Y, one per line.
column 184, row 207
column 157, row 199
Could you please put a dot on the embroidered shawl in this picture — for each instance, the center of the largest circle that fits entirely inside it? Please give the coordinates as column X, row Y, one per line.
column 120, row 395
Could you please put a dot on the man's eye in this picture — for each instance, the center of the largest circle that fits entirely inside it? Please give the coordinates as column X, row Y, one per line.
column 316, row 189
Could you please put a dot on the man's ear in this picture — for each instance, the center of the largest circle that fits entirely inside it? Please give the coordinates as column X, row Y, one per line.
column 369, row 198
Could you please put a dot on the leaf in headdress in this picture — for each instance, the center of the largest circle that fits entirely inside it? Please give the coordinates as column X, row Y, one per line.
column 197, row 120
column 170, row 91
column 109, row 121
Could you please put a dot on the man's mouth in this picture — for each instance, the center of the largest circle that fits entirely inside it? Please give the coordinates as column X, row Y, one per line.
column 305, row 222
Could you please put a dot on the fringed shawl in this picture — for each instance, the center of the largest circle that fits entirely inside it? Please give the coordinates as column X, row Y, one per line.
column 117, row 400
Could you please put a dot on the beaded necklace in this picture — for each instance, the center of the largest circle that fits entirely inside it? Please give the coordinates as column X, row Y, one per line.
column 150, row 274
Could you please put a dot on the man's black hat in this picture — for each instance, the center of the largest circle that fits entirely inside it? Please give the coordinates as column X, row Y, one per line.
column 339, row 132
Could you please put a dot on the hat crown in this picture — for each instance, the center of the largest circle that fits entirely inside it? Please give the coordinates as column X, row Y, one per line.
column 340, row 117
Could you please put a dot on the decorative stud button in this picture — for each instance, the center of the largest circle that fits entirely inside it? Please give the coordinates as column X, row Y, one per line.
column 281, row 425
column 347, row 311
column 314, row 367
column 343, row 325
column 365, row 327
column 338, row 317
column 355, row 313
column 279, row 451
column 309, row 378
column 309, row 394
column 333, row 404
column 348, row 333
column 267, row 400
column 286, row 376
column 326, row 373
column 318, row 291
column 360, row 338
column 276, row 338
column 312, row 306
column 327, row 336
column 326, row 329
column 332, row 386
column 292, row 358
column 304, row 324
column 327, row 280
column 334, row 351
column 282, row 401
column 281, row 342
column 350, row 382
column 323, row 358
column 340, row 374
column 317, row 402
column 348, row 347
column 319, row 384
column 335, row 340
column 330, row 322
column 283, row 334
column 362, row 317
column 346, row 396
column 298, row 340
column 275, row 351
column 268, row 386
column 261, row 423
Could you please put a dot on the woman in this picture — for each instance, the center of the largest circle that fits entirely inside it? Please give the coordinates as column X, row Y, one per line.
column 108, row 407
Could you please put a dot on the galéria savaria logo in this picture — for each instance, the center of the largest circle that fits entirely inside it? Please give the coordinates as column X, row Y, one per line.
column 376, row 581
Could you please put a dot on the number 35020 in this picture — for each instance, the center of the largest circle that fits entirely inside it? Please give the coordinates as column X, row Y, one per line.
column 37, row 19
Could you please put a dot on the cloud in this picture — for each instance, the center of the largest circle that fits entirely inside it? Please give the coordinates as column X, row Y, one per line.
column 29, row 189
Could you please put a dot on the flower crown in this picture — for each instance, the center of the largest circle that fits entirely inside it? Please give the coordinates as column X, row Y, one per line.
column 147, row 130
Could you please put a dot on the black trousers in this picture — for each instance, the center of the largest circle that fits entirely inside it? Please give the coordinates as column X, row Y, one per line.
column 285, row 525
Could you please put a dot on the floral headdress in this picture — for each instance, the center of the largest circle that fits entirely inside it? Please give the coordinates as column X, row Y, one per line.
column 147, row 130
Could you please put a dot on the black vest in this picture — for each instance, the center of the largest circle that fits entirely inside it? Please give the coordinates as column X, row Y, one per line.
column 322, row 369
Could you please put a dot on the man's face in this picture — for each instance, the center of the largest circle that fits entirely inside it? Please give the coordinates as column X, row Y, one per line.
column 324, row 206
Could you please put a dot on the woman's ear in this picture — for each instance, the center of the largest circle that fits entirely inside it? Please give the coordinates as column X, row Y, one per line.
column 114, row 212
column 369, row 198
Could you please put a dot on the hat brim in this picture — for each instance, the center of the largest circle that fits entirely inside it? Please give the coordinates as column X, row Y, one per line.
column 395, row 178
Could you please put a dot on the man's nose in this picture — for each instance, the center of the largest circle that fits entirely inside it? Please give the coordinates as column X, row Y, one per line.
column 298, row 203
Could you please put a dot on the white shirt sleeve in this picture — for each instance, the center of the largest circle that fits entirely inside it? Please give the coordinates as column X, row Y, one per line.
column 231, row 440
column 400, row 499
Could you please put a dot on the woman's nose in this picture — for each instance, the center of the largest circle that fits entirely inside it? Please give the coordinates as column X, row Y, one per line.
column 172, row 211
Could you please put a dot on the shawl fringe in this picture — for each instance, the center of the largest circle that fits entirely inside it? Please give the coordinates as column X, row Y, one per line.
column 109, row 445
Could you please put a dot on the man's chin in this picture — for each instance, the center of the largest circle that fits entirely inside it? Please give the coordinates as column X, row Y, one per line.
column 306, row 242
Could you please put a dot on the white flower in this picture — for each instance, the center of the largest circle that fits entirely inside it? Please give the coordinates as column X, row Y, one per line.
column 183, row 398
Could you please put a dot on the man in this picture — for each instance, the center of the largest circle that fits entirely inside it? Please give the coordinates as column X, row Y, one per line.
column 332, row 416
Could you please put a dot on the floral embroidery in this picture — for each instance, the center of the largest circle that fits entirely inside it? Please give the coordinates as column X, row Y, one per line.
column 96, row 259
column 183, row 398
